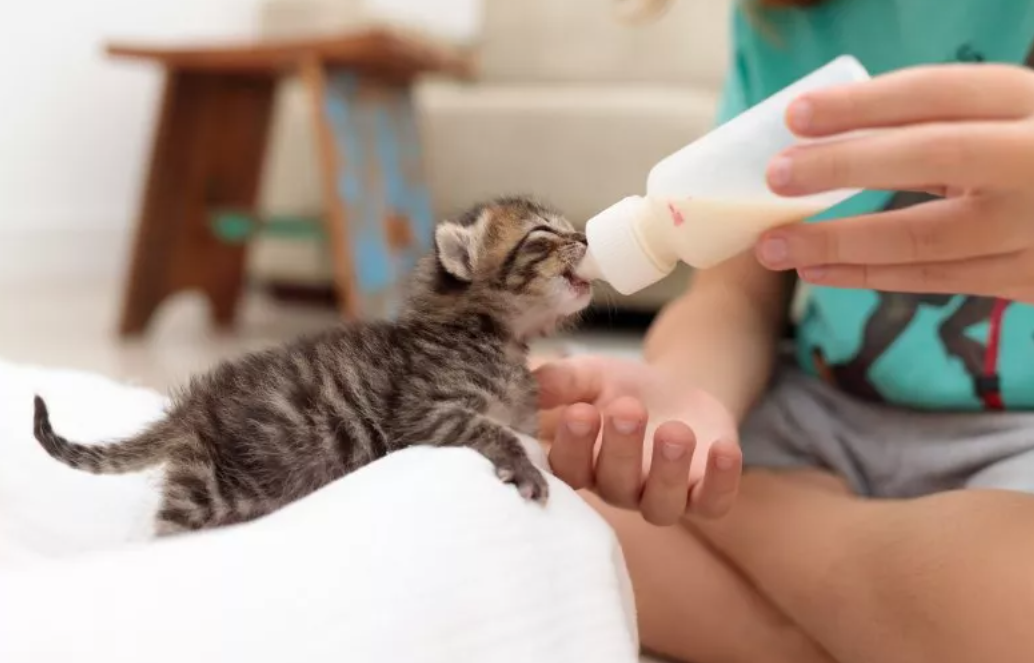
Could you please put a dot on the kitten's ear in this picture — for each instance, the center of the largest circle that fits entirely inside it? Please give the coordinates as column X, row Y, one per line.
column 456, row 249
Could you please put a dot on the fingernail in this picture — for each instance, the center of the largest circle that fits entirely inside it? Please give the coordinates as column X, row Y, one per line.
column 673, row 451
column 724, row 462
column 775, row 250
column 800, row 114
column 812, row 273
column 626, row 426
column 780, row 171
column 578, row 428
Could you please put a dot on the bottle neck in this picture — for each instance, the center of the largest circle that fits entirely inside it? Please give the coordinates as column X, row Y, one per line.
column 655, row 228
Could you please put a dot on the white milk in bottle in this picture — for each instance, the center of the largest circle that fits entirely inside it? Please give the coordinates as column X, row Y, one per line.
column 710, row 200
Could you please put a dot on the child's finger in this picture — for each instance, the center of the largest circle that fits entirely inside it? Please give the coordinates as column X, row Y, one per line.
column 938, row 231
column 619, row 468
column 984, row 275
column 667, row 486
column 577, row 380
column 916, row 95
column 974, row 155
column 571, row 455
column 714, row 496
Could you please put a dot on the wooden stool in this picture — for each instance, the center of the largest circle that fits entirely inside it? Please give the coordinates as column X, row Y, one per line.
column 207, row 160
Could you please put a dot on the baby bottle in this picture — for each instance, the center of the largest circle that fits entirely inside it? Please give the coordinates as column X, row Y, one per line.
column 709, row 201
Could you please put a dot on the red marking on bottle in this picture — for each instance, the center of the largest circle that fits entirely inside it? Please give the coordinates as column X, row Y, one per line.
column 676, row 215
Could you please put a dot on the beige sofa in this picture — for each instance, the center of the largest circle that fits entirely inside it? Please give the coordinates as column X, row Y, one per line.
column 570, row 105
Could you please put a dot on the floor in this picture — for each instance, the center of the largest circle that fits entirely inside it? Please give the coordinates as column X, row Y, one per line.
column 72, row 325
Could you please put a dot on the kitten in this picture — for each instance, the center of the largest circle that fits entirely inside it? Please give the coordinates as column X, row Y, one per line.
column 259, row 432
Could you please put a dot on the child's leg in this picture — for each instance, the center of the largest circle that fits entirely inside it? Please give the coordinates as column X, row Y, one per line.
column 937, row 578
column 880, row 580
column 941, row 578
column 694, row 607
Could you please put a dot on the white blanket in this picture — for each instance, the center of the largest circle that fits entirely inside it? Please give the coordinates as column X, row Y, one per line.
column 423, row 556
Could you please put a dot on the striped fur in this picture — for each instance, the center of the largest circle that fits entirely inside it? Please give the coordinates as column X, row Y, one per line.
column 259, row 432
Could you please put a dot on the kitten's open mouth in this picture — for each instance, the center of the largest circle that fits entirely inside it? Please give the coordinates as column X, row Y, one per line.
column 577, row 284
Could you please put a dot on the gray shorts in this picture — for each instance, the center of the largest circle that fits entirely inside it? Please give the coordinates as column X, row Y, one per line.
column 883, row 451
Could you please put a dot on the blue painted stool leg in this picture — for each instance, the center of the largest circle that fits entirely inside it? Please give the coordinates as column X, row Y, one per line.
column 376, row 273
column 417, row 200
column 378, row 208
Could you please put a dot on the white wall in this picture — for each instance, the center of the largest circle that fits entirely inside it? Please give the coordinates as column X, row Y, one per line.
column 75, row 126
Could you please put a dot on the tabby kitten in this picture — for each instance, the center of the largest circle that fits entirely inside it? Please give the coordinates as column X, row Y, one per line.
column 259, row 432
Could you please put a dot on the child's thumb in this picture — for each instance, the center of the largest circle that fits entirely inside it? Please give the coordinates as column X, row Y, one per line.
column 570, row 381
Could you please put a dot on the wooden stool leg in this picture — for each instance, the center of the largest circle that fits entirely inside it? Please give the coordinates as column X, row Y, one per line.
column 208, row 153
column 335, row 189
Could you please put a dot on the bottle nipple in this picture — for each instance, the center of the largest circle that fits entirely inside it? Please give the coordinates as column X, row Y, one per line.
column 588, row 269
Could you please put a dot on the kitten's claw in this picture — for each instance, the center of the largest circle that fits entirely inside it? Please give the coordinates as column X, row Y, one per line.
column 530, row 483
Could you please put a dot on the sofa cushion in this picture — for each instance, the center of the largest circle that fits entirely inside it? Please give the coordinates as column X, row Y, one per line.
column 580, row 146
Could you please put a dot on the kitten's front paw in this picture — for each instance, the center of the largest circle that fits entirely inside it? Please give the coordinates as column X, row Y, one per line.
column 535, row 452
column 530, row 482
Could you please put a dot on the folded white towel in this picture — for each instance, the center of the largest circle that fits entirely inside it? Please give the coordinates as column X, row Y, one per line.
column 423, row 556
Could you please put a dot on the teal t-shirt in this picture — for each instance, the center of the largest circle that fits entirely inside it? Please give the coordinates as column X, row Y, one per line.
column 925, row 351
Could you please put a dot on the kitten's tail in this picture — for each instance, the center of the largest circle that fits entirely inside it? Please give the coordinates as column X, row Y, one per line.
column 130, row 455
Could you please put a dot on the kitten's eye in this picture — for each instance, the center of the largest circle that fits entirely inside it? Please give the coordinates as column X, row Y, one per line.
column 538, row 246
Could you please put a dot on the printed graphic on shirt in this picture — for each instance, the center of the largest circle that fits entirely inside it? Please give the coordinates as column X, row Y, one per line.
column 895, row 314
